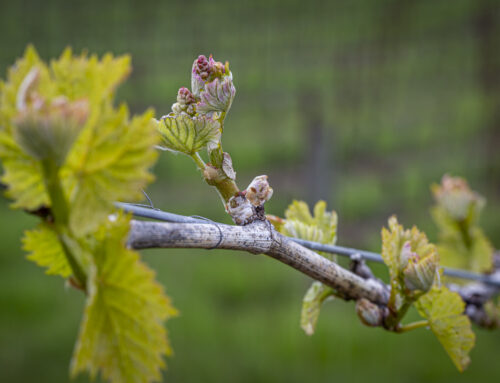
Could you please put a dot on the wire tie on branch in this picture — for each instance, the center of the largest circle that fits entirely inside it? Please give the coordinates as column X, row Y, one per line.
column 221, row 235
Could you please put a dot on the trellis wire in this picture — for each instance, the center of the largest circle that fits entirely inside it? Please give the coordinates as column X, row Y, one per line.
column 140, row 211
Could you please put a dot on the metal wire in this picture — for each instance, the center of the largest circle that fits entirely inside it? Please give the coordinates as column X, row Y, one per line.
column 159, row 215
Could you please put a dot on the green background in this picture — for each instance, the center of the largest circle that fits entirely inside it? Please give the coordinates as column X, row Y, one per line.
column 361, row 103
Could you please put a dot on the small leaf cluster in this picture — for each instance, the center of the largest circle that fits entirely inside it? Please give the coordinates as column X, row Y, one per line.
column 413, row 264
column 462, row 243
column 415, row 280
column 68, row 151
column 320, row 227
column 197, row 118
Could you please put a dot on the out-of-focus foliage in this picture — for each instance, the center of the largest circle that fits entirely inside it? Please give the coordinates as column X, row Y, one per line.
column 412, row 261
column 311, row 306
column 445, row 312
column 462, row 243
column 320, row 227
column 122, row 333
column 414, row 268
column 109, row 163
column 68, row 152
column 46, row 251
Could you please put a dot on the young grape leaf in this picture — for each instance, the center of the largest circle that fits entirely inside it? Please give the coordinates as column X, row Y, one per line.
column 393, row 241
column 46, row 251
column 301, row 224
column 188, row 135
column 15, row 76
column 445, row 312
column 475, row 253
column 22, row 174
column 109, row 163
column 70, row 78
column 462, row 243
column 311, row 306
column 322, row 227
column 78, row 77
column 122, row 334
column 391, row 246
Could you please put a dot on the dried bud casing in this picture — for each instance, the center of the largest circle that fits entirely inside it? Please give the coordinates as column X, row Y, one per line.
column 212, row 175
column 259, row 191
column 240, row 209
column 369, row 313
column 421, row 273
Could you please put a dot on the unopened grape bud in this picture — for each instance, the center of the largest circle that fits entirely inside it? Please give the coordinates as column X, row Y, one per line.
column 240, row 209
column 406, row 255
column 47, row 129
column 259, row 191
column 420, row 274
column 456, row 197
column 369, row 313
column 202, row 68
column 184, row 96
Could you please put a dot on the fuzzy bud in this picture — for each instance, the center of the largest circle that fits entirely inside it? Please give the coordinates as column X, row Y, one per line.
column 240, row 209
column 212, row 83
column 456, row 197
column 420, row 273
column 406, row 255
column 369, row 313
column 202, row 69
column 259, row 191
column 185, row 102
column 184, row 96
column 47, row 129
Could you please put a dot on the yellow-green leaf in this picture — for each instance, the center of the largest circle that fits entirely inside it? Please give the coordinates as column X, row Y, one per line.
column 320, row 227
column 122, row 334
column 311, row 306
column 393, row 240
column 46, row 251
column 69, row 77
column 86, row 77
column 22, row 174
column 15, row 76
column 445, row 312
column 299, row 223
column 110, row 162
column 188, row 135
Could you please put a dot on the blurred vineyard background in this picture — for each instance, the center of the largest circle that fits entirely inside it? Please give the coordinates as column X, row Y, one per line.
column 361, row 103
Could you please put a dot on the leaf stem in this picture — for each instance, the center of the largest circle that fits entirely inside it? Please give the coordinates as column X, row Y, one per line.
column 59, row 205
column 413, row 326
column 199, row 161
column 60, row 212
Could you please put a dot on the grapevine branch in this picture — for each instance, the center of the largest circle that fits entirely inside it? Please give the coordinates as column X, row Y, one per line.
column 257, row 238
column 261, row 238
column 492, row 280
